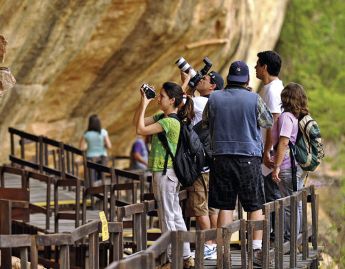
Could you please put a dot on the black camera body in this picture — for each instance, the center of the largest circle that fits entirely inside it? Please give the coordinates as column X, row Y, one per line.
column 196, row 76
column 149, row 91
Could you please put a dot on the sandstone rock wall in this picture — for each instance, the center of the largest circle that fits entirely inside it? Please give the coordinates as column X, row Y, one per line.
column 74, row 58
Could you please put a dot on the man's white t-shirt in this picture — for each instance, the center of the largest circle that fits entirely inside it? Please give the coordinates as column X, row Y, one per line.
column 270, row 94
column 199, row 105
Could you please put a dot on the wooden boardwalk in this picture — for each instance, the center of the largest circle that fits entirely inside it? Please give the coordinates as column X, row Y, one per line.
column 38, row 197
column 66, row 197
column 65, row 177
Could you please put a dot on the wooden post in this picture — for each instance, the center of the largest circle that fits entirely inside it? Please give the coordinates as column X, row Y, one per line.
column 48, row 204
column 266, row 236
column 5, row 228
column 64, row 257
column 226, row 256
column 250, row 231
column 315, row 216
column 33, row 253
column 40, row 153
column 305, row 250
column 199, row 250
column 93, row 251
column 56, row 206
column 77, row 202
column 277, row 232
column 243, row 244
column 293, row 230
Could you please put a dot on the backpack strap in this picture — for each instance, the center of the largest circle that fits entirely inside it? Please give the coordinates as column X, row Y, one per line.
column 293, row 166
column 162, row 137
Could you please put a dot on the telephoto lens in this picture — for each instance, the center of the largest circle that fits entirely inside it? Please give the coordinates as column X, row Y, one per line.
column 149, row 91
column 185, row 67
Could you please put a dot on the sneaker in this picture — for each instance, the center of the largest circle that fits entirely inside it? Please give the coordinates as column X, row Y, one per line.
column 188, row 263
column 210, row 252
column 257, row 257
column 192, row 254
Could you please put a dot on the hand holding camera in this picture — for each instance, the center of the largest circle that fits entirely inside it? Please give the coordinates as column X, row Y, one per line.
column 195, row 76
column 148, row 90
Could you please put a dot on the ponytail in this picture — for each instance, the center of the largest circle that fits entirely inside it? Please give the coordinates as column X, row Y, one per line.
column 186, row 111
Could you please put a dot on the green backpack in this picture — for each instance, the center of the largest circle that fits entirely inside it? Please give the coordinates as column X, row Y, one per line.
column 308, row 149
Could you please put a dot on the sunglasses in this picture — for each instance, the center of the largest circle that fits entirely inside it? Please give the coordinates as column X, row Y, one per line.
column 212, row 77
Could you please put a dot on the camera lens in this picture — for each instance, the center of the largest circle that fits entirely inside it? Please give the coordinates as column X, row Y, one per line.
column 185, row 67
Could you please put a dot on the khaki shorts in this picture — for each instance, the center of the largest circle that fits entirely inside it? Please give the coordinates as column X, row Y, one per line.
column 197, row 202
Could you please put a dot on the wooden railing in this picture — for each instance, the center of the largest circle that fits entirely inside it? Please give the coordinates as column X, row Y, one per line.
column 274, row 255
column 87, row 233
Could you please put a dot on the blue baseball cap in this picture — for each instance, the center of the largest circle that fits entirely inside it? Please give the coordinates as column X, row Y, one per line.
column 238, row 72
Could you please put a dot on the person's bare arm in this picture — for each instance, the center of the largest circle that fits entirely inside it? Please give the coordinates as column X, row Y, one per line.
column 149, row 126
column 82, row 143
column 279, row 157
column 147, row 120
column 149, row 129
column 185, row 78
column 139, row 158
column 107, row 142
column 269, row 143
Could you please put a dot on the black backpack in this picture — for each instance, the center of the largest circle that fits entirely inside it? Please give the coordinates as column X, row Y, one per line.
column 204, row 136
column 189, row 159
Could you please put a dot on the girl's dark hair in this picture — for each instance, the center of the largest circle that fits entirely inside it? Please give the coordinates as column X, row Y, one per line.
column 185, row 111
column 294, row 100
column 94, row 124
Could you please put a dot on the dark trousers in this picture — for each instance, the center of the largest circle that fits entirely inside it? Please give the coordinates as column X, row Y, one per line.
column 272, row 193
column 95, row 175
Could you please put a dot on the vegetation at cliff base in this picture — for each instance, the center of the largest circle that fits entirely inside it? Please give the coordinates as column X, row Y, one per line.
column 313, row 51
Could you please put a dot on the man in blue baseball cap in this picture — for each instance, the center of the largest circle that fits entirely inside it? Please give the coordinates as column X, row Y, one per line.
column 234, row 117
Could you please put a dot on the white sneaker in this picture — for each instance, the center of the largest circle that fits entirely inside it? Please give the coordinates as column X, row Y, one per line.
column 210, row 252
column 192, row 254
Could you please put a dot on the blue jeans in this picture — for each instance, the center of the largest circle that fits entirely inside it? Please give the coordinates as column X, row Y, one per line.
column 286, row 189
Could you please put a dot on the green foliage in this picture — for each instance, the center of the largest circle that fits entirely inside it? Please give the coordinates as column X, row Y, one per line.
column 313, row 52
column 312, row 47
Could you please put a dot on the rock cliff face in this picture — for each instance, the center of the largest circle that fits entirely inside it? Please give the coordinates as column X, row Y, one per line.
column 74, row 58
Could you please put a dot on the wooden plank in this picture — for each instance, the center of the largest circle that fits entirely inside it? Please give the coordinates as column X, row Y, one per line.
column 243, row 243
column 54, row 240
column 130, row 210
column 14, row 241
column 250, row 234
column 23, row 162
column 93, row 251
column 304, row 226
column 315, row 217
column 23, row 134
column 293, row 231
column 5, row 228
column 85, row 230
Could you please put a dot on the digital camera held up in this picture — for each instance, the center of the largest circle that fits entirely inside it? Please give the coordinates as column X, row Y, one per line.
column 196, row 76
column 149, row 91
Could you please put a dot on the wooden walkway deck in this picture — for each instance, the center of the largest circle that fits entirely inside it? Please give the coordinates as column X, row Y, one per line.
column 38, row 196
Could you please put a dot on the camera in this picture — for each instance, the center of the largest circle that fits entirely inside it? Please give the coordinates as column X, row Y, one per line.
column 149, row 91
column 196, row 76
